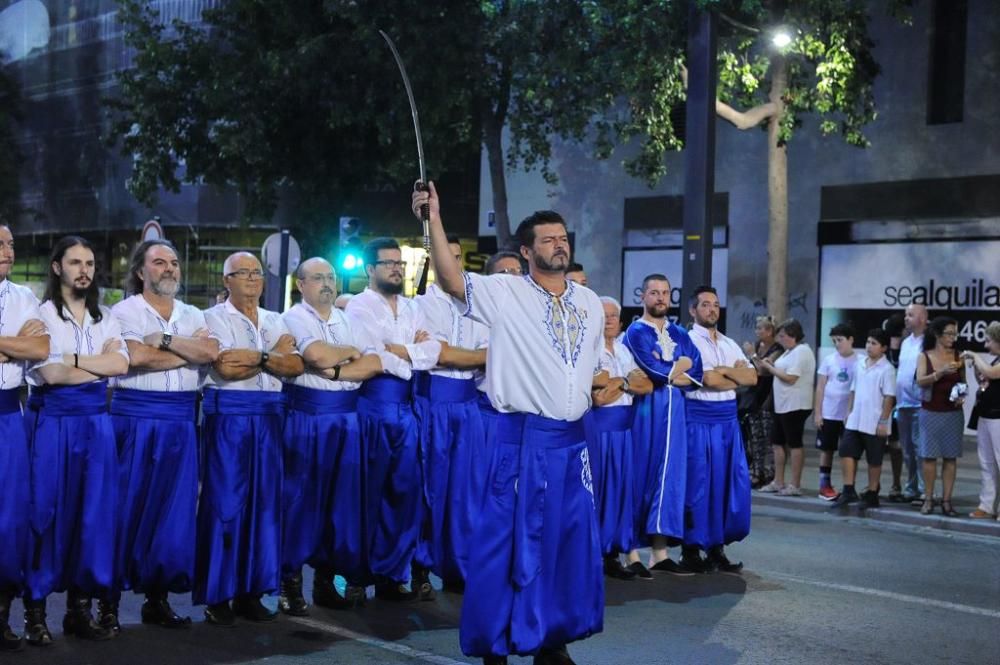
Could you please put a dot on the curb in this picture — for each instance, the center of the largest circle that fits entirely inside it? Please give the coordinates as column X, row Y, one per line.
column 883, row 514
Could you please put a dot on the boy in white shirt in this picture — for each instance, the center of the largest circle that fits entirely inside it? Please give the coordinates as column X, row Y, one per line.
column 873, row 395
column 833, row 391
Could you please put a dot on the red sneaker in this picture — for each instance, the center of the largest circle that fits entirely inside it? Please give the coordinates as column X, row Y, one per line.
column 828, row 493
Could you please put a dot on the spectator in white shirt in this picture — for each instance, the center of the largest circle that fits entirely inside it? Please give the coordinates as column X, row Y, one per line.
column 908, row 402
column 833, row 391
column 873, row 394
column 795, row 374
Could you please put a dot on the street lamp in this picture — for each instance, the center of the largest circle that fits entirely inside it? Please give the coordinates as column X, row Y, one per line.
column 781, row 37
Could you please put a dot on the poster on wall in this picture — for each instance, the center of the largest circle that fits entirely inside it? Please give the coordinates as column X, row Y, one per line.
column 637, row 263
column 865, row 284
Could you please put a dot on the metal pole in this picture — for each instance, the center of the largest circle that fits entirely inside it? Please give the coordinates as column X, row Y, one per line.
column 699, row 154
column 283, row 270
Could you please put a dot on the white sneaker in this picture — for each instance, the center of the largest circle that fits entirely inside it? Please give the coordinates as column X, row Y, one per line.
column 771, row 488
column 790, row 490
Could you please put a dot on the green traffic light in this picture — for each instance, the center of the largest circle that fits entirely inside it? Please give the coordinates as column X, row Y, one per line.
column 350, row 262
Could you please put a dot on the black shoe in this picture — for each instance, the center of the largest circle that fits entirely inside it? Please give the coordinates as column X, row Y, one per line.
column 869, row 499
column 692, row 562
column 718, row 560
column 641, row 572
column 36, row 633
column 457, row 586
column 614, row 568
column 107, row 616
column 672, row 567
column 79, row 621
column 250, row 608
column 395, row 592
column 553, row 656
column 421, row 582
column 220, row 614
column 291, row 601
column 896, row 496
column 9, row 640
column 156, row 610
column 846, row 497
column 495, row 660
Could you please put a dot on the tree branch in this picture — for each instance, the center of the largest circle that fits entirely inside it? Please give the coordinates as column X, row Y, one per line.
column 740, row 119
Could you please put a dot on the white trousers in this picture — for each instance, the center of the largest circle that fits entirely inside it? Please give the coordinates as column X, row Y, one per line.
column 988, row 436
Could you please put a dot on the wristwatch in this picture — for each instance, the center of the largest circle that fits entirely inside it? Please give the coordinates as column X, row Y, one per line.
column 625, row 385
column 264, row 357
column 165, row 341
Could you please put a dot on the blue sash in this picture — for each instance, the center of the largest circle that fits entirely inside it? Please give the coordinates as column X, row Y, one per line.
column 87, row 399
column 703, row 411
column 444, row 389
column 315, row 402
column 154, row 404
column 242, row 402
column 387, row 388
column 612, row 418
column 532, row 432
column 485, row 405
column 9, row 401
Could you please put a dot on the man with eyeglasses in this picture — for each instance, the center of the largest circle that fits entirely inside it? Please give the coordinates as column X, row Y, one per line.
column 389, row 430
column 23, row 339
column 239, row 514
column 453, row 442
column 153, row 410
column 503, row 263
column 535, row 575
column 324, row 460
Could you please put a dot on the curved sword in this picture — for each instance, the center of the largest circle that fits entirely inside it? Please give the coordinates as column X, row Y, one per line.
column 425, row 211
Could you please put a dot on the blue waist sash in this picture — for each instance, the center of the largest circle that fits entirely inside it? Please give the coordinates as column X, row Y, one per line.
column 155, row 404
column 444, row 388
column 612, row 418
column 387, row 388
column 242, row 402
column 702, row 411
column 9, row 401
column 312, row 401
column 35, row 399
column 87, row 399
column 534, row 434
column 486, row 405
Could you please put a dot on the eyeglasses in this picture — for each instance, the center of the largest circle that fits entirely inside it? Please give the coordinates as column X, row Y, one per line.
column 391, row 264
column 509, row 271
column 949, row 333
column 246, row 274
column 330, row 279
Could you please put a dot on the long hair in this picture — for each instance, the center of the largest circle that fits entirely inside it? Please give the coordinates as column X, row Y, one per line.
column 935, row 330
column 134, row 283
column 53, row 285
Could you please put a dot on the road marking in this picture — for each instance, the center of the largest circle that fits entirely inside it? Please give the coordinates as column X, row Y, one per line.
column 902, row 597
column 400, row 649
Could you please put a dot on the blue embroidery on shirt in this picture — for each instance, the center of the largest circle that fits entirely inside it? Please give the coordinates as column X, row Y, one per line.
column 572, row 330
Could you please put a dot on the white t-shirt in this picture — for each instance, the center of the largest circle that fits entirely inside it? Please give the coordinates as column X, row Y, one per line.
column 906, row 378
column 307, row 327
column 839, row 373
column 137, row 319
column 723, row 352
column 798, row 396
column 235, row 331
column 543, row 350
column 870, row 386
column 66, row 337
column 618, row 363
column 18, row 305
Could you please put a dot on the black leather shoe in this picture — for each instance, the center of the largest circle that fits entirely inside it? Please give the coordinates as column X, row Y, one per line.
column 394, row 592
column 719, row 561
column 156, row 610
column 9, row 640
column 672, row 567
column 79, row 620
column 220, row 614
column 495, row 660
column 614, row 568
column 421, row 582
column 291, row 601
column 250, row 608
column 36, row 633
column 553, row 656
column 641, row 572
column 107, row 616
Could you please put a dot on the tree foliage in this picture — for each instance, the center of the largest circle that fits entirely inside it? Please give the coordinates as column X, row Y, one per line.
column 10, row 162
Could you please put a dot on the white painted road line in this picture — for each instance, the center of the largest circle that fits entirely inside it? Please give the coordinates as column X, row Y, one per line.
column 891, row 595
column 400, row 649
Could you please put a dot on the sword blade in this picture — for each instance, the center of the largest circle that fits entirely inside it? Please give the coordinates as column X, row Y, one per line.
column 413, row 104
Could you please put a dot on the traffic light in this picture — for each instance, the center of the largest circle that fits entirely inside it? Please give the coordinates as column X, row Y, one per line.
column 351, row 250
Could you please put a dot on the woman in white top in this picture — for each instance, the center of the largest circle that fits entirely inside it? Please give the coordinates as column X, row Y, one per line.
column 795, row 371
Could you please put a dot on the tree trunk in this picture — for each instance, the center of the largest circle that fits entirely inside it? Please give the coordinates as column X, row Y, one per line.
column 493, row 142
column 777, row 195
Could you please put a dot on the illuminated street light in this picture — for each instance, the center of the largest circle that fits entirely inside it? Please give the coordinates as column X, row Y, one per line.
column 781, row 38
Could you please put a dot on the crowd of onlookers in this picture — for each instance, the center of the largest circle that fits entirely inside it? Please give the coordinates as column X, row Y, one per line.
column 902, row 397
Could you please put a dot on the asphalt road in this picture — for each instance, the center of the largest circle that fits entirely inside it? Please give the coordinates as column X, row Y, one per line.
column 816, row 589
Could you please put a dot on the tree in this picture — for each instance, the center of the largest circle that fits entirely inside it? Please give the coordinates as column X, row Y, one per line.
column 827, row 69
column 10, row 164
